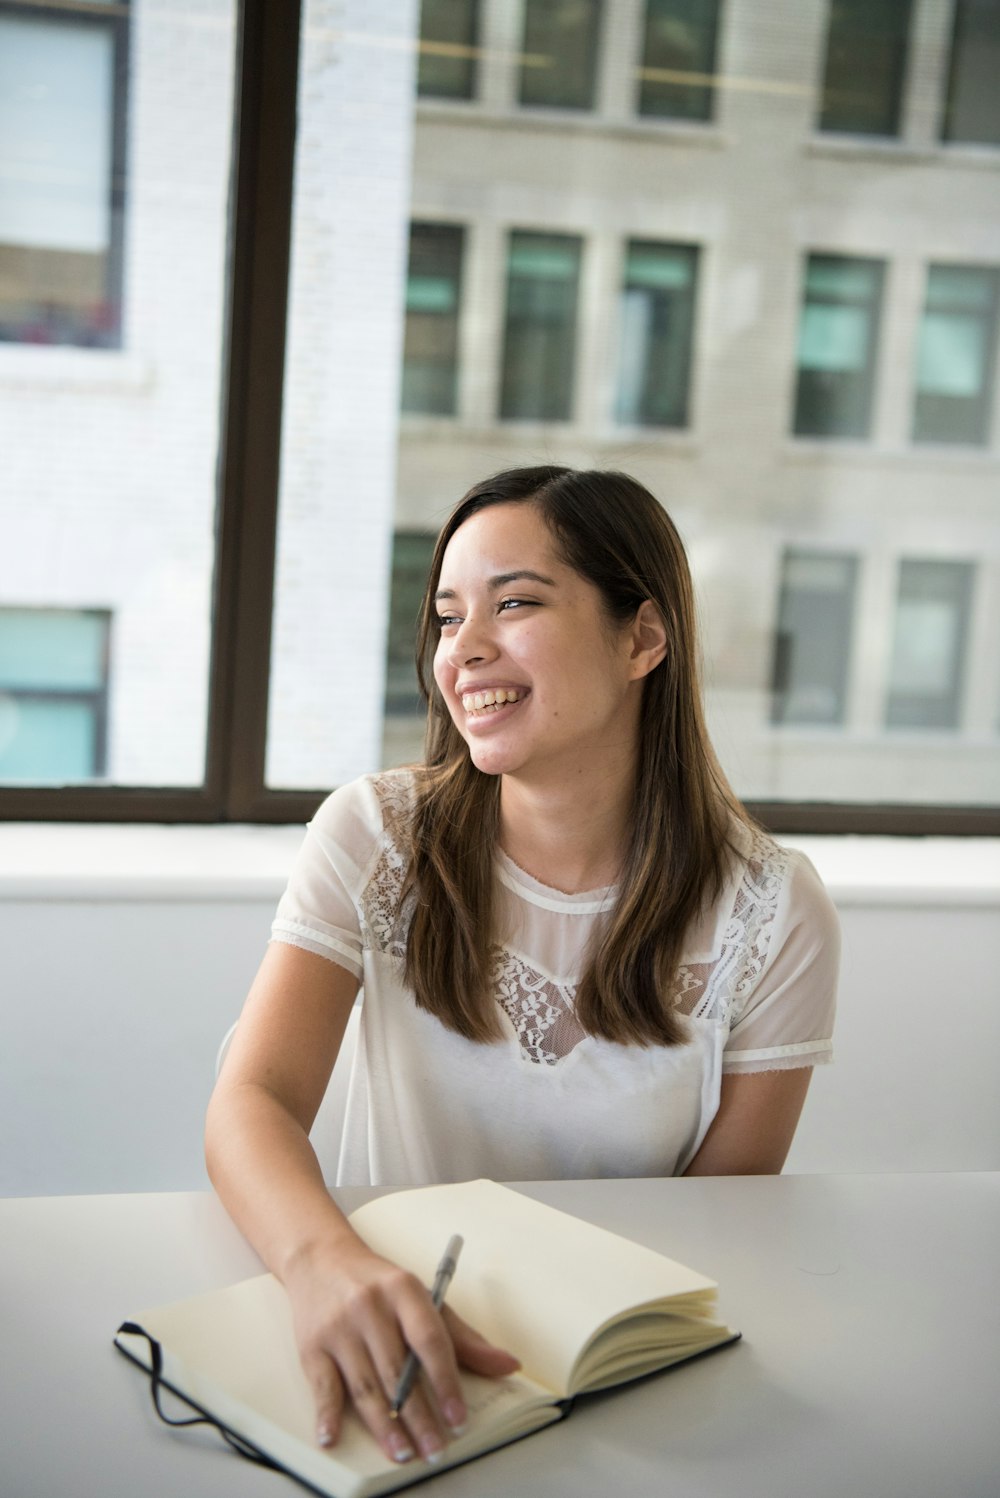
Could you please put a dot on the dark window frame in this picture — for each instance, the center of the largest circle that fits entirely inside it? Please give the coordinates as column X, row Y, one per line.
column 234, row 789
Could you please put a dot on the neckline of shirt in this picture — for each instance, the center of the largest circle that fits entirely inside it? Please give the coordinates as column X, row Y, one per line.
column 587, row 902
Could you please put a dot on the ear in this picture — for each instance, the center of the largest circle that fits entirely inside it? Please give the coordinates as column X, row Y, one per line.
column 648, row 640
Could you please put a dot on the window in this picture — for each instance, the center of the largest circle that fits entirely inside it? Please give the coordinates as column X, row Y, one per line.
column 956, row 354
column 62, row 143
column 929, row 644
column 53, row 694
column 866, row 45
column 430, row 356
column 559, row 55
column 411, row 564
column 657, row 324
column 972, row 111
column 837, row 346
column 676, row 79
column 449, row 35
column 543, row 273
column 812, row 643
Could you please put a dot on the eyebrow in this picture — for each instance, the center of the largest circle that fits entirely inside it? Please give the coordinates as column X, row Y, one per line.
column 502, row 579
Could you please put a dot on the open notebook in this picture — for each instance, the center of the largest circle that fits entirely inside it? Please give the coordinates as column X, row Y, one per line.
column 582, row 1308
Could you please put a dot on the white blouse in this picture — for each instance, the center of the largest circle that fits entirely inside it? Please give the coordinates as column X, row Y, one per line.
column 547, row 1101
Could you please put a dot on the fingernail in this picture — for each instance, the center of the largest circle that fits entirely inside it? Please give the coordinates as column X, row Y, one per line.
column 431, row 1450
column 324, row 1435
column 399, row 1449
column 454, row 1412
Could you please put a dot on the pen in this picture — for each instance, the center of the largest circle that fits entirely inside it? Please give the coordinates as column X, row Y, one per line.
column 442, row 1280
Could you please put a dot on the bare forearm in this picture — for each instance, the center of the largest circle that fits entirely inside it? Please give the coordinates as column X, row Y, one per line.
column 267, row 1176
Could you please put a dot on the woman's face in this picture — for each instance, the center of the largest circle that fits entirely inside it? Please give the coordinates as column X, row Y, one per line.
column 538, row 680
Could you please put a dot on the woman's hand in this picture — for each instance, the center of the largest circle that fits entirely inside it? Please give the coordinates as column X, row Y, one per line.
column 356, row 1316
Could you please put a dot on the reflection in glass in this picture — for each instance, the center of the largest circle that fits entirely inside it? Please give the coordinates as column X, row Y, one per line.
column 812, row 647
column 927, row 673
column 448, row 41
column 559, row 55
column 956, row 354
column 866, row 47
column 543, row 272
column 54, row 668
column 62, row 146
column 972, row 111
column 657, row 319
column 837, row 346
column 678, row 59
column 430, row 355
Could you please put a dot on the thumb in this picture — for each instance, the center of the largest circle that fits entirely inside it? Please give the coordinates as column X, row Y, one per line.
column 474, row 1352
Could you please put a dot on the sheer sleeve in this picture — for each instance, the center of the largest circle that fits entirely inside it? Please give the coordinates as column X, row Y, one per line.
column 319, row 909
column 787, row 1020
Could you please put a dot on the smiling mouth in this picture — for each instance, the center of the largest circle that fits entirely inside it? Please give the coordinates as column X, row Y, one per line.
column 476, row 703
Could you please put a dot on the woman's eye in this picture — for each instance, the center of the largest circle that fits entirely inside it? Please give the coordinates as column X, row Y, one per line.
column 446, row 620
column 516, row 603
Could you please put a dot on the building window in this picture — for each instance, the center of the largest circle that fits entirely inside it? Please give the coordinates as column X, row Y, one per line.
column 929, row 644
column 812, row 644
column 449, row 39
column 411, row 564
column 866, row 44
column 559, row 54
column 543, row 274
column 62, row 147
column 657, row 324
column 53, row 695
column 972, row 110
column 956, row 355
column 676, row 79
column 837, row 346
column 430, row 354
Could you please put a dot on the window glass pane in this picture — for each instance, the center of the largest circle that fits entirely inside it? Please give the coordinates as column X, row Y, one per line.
column 956, row 355
column 587, row 250
column 53, row 695
column 59, row 259
column 115, row 142
column 448, row 43
column 812, row 643
column 657, row 318
column 430, row 357
column 542, row 282
column 678, row 59
column 972, row 112
column 836, row 348
column 559, row 61
column 866, row 45
column 929, row 644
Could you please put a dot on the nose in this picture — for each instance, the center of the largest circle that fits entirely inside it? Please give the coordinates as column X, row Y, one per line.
column 472, row 642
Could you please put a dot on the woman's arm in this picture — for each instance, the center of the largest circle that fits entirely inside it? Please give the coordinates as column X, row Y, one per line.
column 752, row 1132
column 355, row 1314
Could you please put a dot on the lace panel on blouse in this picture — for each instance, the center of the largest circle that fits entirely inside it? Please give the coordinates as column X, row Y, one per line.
column 540, row 1008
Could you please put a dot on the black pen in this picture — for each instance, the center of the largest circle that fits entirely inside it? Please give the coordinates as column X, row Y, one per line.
column 442, row 1280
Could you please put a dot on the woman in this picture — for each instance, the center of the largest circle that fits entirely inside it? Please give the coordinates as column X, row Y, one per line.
column 579, row 956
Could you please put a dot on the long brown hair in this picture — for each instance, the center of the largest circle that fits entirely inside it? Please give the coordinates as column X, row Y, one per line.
column 614, row 533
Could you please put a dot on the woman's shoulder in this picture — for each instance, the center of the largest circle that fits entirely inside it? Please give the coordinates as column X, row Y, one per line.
column 773, row 877
column 372, row 804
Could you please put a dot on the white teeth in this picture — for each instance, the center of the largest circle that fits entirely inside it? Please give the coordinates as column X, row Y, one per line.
column 477, row 702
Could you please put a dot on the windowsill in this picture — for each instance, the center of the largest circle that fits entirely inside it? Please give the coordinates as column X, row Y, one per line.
column 821, row 450
column 233, row 864
column 574, row 122
column 414, row 426
column 845, row 147
column 58, row 367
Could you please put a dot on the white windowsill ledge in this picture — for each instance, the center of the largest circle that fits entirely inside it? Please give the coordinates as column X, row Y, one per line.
column 57, row 861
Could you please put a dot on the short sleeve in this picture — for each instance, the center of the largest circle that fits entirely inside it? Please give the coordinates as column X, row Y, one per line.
column 787, row 1020
column 319, row 909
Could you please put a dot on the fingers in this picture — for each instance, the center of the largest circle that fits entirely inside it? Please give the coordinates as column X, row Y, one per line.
column 472, row 1350
column 328, row 1393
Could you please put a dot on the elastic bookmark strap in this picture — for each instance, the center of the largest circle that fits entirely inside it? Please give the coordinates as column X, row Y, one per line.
column 157, row 1383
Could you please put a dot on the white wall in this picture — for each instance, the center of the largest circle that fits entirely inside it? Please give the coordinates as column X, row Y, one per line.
column 127, row 952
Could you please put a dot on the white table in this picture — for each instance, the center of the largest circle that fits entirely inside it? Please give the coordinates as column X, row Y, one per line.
column 870, row 1365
